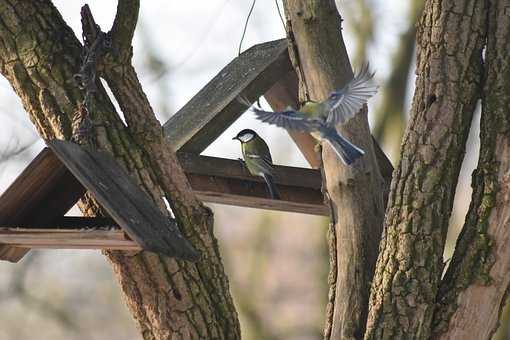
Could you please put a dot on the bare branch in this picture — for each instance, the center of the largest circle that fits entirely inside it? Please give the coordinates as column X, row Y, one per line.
column 13, row 150
column 124, row 25
column 361, row 15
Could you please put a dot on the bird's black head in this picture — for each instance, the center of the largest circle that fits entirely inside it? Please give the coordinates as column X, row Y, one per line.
column 246, row 135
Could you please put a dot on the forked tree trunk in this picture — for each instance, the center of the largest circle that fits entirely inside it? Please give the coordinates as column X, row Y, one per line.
column 450, row 40
column 451, row 37
column 475, row 286
column 355, row 192
column 39, row 54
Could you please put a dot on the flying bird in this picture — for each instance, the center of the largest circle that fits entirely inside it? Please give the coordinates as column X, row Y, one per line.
column 320, row 119
column 257, row 158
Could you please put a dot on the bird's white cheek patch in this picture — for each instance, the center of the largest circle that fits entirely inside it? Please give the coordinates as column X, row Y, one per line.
column 246, row 138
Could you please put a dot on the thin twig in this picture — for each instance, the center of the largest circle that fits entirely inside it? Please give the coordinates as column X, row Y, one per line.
column 124, row 25
column 16, row 149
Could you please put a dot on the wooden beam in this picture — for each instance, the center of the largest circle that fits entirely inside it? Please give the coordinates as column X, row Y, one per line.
column 226, row 181
column 67, row 239
column 73, row 222
column 43, row 191
column 213, row 179
column 124, row 201
column 215, row 107
column 46, row 190
column 285, row 93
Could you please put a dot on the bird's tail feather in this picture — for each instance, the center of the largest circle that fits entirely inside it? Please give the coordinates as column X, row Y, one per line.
column 347, row 151
column 271, row 186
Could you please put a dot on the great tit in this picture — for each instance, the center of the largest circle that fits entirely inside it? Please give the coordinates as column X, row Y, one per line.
column 320, row 119
column 257, row 158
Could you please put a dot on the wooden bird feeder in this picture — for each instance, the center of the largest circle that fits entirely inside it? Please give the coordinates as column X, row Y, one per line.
column 263, row 70
column 32, row 209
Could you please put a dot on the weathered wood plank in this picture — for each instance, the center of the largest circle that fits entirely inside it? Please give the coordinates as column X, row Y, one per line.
column 225, row 181
column 72, row 222
column 37, row 195
column 126, row 203
column 213, row 179
column 67, row 239
column 254, row 195
column 215, row 107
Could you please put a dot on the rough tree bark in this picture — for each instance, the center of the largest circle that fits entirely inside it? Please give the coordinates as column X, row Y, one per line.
column 450, row 40
column 39, row 54
column 475, row 286
column 356, row 192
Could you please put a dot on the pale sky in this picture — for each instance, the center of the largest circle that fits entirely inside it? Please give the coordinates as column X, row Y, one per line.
column 196, row 39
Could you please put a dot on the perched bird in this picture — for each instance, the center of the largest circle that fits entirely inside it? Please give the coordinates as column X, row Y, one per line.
column 257, row 158
column 82, row 127
column 320, row 119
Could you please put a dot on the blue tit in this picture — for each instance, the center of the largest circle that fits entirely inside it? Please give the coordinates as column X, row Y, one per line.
column 257, row 158
column 320, row 119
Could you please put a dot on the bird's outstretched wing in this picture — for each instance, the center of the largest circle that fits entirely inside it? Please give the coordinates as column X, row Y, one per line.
column 288, row 119
column 346, row 103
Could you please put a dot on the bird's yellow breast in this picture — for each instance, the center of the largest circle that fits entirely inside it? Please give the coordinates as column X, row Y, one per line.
column 310, row 108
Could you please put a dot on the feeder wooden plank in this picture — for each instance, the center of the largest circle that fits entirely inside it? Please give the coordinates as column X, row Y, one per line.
column 43, row 191
column 236, row 193
column 73, row 222
column 225, row 181
column 67, row 239
column 125, row 202
column 215, row 107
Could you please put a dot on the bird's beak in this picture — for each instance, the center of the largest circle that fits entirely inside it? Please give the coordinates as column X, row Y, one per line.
column 235, row 138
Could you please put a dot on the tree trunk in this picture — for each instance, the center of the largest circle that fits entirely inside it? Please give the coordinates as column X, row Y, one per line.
column 39, row 55
column 475, row 286
column 450, row 40
column 355, row 192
